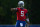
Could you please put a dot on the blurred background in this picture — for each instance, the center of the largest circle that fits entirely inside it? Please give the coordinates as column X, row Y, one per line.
column 9, row 18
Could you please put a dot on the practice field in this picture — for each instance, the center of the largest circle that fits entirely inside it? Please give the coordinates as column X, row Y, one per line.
column 14, row 25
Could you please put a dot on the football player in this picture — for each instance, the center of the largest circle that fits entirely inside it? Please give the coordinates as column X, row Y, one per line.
column 21, row 14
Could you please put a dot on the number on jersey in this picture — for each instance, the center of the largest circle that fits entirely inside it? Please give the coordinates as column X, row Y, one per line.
column 22, row 13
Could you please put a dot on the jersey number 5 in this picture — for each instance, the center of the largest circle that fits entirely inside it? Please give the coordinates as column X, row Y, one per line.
column 22, row 13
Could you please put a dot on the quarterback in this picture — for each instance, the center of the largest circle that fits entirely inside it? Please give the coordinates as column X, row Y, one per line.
column 21, row 14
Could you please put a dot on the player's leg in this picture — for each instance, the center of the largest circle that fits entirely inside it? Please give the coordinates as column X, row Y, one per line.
column 18, row 24
column 23, row 23
column 27, row 25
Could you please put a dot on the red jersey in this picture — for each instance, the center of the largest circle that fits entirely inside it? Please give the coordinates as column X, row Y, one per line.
column 21, row 14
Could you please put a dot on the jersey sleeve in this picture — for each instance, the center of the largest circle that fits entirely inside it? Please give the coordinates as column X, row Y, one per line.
column 26, row 11
column 17, row 9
